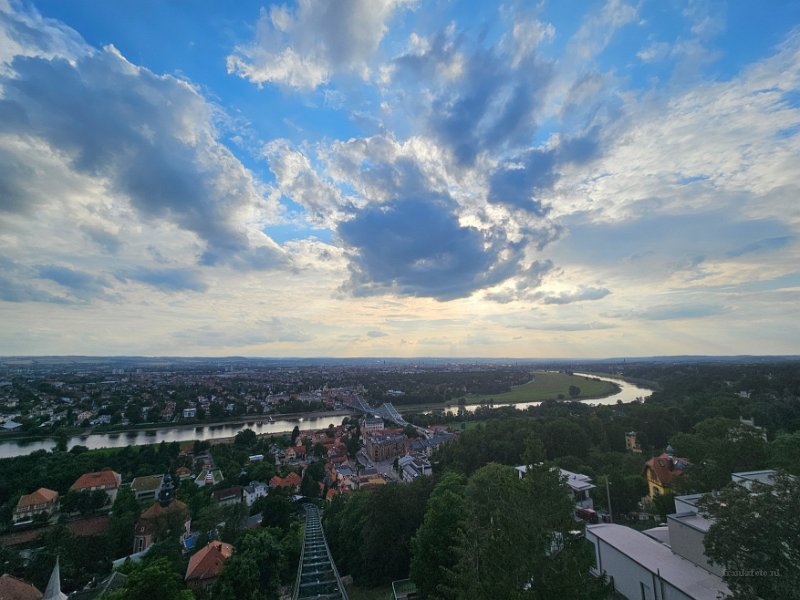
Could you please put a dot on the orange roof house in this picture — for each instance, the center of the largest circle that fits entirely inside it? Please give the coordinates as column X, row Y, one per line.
column 108, row 481
column 40, row 501
column 206, row 564
column 158, row 521
column 661, row 471
column 12, row 588
column 292, row 480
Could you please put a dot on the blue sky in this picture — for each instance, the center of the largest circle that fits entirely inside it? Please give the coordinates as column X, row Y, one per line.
column 399, row 178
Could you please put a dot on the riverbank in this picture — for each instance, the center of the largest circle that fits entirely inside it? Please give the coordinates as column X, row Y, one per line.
column 146, row 427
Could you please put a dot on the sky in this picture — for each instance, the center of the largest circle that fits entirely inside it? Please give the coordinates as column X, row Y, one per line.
column 400, row 178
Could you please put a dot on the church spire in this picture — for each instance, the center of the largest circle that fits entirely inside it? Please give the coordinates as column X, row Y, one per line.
column 53, row 591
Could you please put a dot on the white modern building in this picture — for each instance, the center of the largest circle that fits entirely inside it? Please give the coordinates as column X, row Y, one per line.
column 579, row 486
column 642, row 568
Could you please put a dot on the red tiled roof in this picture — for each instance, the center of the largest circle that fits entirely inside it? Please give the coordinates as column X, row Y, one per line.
column 12, row 588
column 157, row 509
column 660, row 466
column 291, row 480
column 208, row 561
column 100, row 479
column 40, row 496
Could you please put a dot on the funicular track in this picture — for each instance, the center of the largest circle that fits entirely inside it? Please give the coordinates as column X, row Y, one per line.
column 317, row 577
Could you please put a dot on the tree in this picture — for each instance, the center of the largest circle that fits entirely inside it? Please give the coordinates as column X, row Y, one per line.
column 295, row 434
column 153, row 580
column 574, row 391
column 124, row 514
column 245, row 438
column 785, row 452
column 254, row 570
column 547, row 559
column 755, row 535
column 433, row 559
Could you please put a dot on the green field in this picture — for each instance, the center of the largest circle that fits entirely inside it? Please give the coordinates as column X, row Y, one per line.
column 548, row 386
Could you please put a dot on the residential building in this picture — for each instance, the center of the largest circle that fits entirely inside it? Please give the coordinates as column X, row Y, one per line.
column 12, row 588
column 661, row 471
column 412, row 467
column 206, row 564
column 370, row 424
column 632, row 442
column 108, row 481
column 148, row 487
column 254, row 491
column 229, row 496
column 386, row 447
column 38, row 502
column 189, row 413
column 209, row 477
column 161, row 519
column 748, row 478
column 642, row 568
column 292, row 481
column 578, row 485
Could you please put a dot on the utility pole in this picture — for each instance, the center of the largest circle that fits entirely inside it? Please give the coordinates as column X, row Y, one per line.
column 608, row 497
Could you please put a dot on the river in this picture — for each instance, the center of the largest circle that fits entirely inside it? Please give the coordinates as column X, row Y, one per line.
column 172, row 434
column 628, row 392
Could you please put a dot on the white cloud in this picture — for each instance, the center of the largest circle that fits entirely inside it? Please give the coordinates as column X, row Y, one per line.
column 305, row 46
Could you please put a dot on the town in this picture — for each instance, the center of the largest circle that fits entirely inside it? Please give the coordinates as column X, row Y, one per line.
column 632, row 479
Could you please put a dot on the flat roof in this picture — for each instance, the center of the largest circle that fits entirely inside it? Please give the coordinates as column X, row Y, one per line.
column 693, row 520
column 693, row 581
column 766, row 476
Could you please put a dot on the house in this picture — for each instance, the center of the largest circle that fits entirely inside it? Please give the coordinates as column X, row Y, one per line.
column 386, row 447
column 412, row 468
column 578, row 484
column 254, row 491
column 209, row 477
column 110, row 583
column 164, row 517
column 632, row 443
column 661, row 471
column 295, row 452
column 292, row 481
column 183, row 473
column 206, row 564
column 189, row 413
column 640, row 567
column 38, row 502
column 11, row 425
column 12, row 588
column 108, row 481
column 148, row 487
column 229, row 496
column 371, row 424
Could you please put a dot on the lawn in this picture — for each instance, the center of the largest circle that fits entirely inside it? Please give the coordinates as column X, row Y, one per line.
column 547, row 386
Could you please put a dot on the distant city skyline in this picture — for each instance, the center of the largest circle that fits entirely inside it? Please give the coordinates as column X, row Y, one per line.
column 399, row 178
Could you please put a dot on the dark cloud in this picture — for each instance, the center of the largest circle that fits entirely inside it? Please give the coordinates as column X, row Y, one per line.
column 167, row 280
column 489, row 105
column 152, row 138
column 79, row 283
column 107, row 240
column 14, row 290
column 18, row 283
column 417, row 247
column 517, row 181
column 765, row 245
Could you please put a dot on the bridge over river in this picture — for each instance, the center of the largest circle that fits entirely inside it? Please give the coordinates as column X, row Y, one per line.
column 386, row 411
